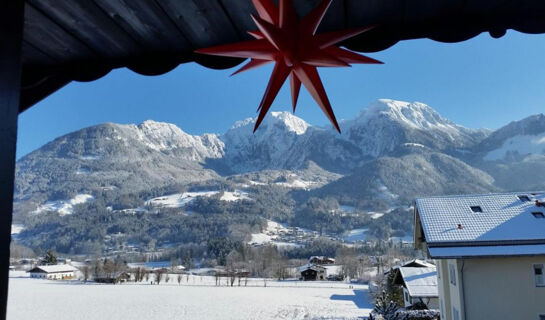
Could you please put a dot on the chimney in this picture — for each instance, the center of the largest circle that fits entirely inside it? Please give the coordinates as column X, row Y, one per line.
column 460, row 226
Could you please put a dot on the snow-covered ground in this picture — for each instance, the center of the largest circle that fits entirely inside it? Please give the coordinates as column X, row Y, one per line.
column 519, row 144
column 405, row 239
column 375, row 215
column 297, row 184
column 275, row 233
column 355, row 235
column 178, row 200
column 237, row 195
column 16, row 228
column 64, row 207
column 58, row 300
column 345, row 208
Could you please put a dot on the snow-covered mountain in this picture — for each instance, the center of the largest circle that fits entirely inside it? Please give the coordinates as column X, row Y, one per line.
column 386, row 124
column 514, row 154
column 517, row 139
column 406, row 148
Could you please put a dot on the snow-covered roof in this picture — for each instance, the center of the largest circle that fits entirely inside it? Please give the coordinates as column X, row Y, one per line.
column 420, row 282
column 311, row 267
column 415, row 263
column 54, row 268
column 502, row 218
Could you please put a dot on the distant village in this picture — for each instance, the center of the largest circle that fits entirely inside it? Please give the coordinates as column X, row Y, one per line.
column 476, row 251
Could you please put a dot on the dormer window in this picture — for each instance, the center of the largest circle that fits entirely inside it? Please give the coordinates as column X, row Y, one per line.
column 538, row 215
column 476, row 209
column 524, row 198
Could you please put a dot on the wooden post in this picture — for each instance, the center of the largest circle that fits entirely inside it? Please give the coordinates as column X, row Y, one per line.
column 11, row 33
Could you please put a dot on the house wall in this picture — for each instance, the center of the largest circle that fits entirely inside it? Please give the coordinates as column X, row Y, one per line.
column 494, row 288
column 451, row 294
column 52, row 276
column 442, row 286
column 503, row 288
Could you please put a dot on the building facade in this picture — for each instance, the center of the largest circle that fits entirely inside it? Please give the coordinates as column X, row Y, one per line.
column 53, row 272
column 489, row 252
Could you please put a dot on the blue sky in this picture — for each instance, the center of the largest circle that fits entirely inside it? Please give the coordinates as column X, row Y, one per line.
column 482, row 82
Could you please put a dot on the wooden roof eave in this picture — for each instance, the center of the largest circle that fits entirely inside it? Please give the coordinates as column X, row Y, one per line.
column 83, row 41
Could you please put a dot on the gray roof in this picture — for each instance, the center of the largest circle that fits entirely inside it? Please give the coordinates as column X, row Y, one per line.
column 420, row 282
column 505, row 219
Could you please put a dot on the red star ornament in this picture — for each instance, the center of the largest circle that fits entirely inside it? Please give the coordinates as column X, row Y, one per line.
column 296, row 50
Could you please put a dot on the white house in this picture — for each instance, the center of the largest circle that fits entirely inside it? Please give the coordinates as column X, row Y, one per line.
column 53, row 272
column 419, row 284
column 489, row 251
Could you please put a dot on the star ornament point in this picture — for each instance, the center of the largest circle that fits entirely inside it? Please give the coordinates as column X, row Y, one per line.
column 296, row 50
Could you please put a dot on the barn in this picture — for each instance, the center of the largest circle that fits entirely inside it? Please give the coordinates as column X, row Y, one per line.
column 310, row 272
column 54, row 272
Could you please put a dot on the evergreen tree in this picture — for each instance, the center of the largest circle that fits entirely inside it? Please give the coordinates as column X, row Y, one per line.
column 50, row 258
column 386, row 307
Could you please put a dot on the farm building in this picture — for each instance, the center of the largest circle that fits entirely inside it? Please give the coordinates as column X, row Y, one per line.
column 118, row 277
column 54, row 272
column 310, row 272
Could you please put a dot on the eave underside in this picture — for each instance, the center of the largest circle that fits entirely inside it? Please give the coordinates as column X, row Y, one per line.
column 84, row 40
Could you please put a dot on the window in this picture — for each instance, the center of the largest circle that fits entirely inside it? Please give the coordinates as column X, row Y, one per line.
column 542, row 317
column 476, row 209
column 538, row 215
column 539, row 275
column 452, row 274
column 524, row 198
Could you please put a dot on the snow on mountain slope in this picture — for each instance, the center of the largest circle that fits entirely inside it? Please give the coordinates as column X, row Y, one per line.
column 178, row 200
column 64, row 207
column 272, row 146
column 523, row 137
column 162, row 136
column 386, row 123
column 520, row 145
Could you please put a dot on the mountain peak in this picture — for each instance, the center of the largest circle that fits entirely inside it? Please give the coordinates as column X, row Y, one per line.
column 292, row 123
column 284, row 118
column 416, row 115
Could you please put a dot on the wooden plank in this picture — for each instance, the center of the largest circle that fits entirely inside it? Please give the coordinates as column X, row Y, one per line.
column 48, row 37
column 11, row 37
column 90, row 24
column 147, row 22
column 333, row 19
column 239, row 12
column 203, row 21
column 34, row 56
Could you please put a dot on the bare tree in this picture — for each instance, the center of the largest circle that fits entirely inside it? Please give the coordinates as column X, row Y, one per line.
column 146, row 276
column 167, row 278
column 179, row 278
column 159, row 275
column 109, row 268
column 97, row 269
column 85, row 271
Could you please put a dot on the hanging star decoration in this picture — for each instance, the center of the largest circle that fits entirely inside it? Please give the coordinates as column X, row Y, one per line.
column 296, row 50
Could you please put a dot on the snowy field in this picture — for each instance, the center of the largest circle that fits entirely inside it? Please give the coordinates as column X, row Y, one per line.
column 196, row 298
